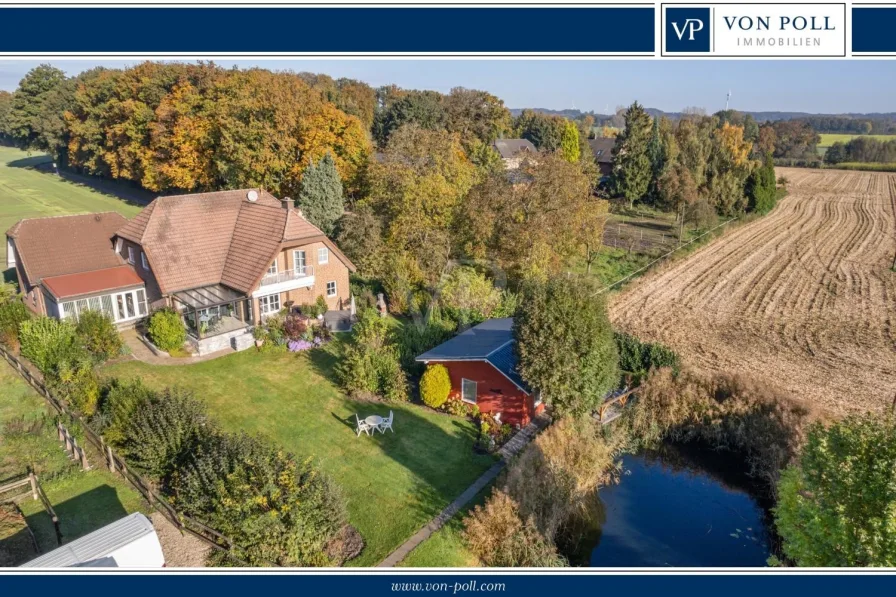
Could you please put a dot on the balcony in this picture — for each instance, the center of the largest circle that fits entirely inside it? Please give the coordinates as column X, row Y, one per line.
column 286, row 280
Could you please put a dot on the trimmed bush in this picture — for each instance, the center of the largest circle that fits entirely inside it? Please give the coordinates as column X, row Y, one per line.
column 435, row 385
column 98, row 335
column 166, row 330
column 47, row 342
column 163, row 430
column 278, row 509
column 76, row 383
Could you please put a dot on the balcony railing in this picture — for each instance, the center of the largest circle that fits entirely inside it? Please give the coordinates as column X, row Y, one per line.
column 287, row 275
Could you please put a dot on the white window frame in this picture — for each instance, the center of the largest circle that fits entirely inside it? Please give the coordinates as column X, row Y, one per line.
column 265, row 302
column 273, row 269
column 295, row 261
column 108, row 303
column 143, row 260
column 131, row 259
column 463, row 393
column 323, row 255
column 335, row 291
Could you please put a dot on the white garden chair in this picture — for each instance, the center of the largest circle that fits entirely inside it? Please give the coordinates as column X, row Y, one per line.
column 386, row 424
column 362, row 426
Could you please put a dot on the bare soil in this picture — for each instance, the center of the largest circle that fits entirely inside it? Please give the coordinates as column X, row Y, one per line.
column 803, row 298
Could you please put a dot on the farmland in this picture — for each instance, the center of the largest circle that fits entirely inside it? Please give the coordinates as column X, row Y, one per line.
column 802, row 298
column 29, row 190
column 828, row 139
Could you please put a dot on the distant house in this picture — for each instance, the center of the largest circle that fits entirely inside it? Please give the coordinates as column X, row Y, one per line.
column 224, row 260
column 513, row 151
column 602, row 148
column 482, row 365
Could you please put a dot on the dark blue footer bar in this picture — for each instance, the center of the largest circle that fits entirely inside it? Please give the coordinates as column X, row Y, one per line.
column 459, row 583
column 413, row 30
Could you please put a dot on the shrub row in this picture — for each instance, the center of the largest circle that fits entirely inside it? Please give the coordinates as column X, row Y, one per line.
column 276, row 508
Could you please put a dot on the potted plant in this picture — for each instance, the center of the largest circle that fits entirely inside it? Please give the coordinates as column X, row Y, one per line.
column 259, row 333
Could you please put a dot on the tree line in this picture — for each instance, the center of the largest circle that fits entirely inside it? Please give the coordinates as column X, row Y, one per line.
column 862, row 149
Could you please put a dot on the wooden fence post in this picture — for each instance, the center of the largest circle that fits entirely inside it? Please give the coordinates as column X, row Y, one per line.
column 33, row 479
column 83, row 458
column 111, row 458
column 60, row 430
column 68, row 440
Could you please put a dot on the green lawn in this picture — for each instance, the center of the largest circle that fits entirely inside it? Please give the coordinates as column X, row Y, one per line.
column 28, row 191
column 828, row 139
column 394, row 483
column 83, row 500
column 446, row 547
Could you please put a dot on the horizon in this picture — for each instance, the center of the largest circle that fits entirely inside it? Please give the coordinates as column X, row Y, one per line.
column 670, row 86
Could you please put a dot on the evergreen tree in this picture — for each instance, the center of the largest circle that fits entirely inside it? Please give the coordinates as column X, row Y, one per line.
column 569, row 143
column 575, row 364
column 761, row 188
column 320, row 197
column 631, row 161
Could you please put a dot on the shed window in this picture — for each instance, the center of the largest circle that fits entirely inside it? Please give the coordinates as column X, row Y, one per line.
column 468, row 390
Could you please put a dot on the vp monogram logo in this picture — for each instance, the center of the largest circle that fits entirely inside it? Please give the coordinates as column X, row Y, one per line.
column 691, row 26
column 687, row 29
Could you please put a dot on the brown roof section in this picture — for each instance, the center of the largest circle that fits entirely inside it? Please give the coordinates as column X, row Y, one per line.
column 209, row 238
column 255, row 240
column 602, row 148
column 61, row 245
column 94, row 282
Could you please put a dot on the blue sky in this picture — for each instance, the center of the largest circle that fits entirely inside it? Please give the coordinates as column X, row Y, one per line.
column 798, row 86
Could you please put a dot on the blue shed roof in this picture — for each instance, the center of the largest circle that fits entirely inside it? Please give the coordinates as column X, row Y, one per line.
column 490, row 341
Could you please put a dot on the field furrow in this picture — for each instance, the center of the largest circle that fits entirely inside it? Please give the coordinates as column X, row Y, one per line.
column 804, row 298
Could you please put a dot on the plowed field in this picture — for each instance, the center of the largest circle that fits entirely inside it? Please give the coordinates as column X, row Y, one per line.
column 803, row 298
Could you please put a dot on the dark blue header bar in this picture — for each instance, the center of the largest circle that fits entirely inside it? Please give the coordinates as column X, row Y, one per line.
column 874, row 29
column 332, row 30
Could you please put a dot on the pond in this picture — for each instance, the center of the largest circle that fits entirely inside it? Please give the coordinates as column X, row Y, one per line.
column 682, row 506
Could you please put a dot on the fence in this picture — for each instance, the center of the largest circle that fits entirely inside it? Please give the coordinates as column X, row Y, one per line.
column 117, row 464
column 30, row 481
column 664, row 256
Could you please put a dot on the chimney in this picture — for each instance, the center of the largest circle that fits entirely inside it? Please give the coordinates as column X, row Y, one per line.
column 287, row 203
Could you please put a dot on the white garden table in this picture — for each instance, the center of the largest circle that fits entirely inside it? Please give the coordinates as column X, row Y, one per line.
column 374, row 421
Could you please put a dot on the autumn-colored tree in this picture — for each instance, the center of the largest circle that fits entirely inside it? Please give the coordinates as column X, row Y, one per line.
column 768, row 138
column 592, row 219
column 425, row 109
column 416, row 190
column 531, row 227
column 475, row 115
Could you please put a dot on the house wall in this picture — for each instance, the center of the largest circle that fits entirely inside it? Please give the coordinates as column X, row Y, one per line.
column 153, row 292
column 332, row 271
column 494, row 392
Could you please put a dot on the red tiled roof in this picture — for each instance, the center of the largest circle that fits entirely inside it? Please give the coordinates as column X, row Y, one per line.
column 60, row 245
column 95, row 282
